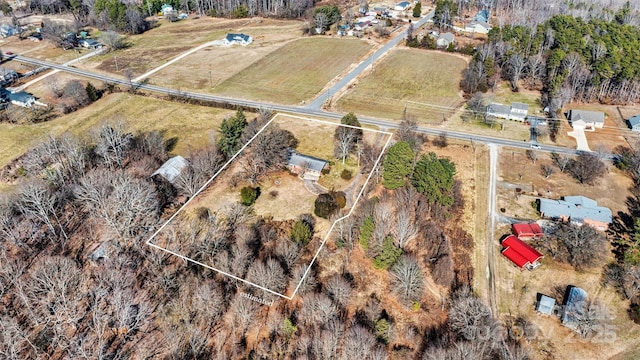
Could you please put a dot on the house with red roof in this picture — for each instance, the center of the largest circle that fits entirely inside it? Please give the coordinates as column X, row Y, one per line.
column 527, row 231
column 520, row 253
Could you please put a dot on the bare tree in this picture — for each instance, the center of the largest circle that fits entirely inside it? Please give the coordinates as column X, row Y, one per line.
column 113, row 143
column 344, row 142
column 587, row 168
column 76, row 92
column 407, row 131
column 561, row 161
column 269, row 275
column 580, row 246
column 358, row 344
column 532, row 155
column 113, row 40
column 339, row 290
column 317, row 309
column 515, row 65
column 407, row 278
column 471, row 319
column 36, row 200
column 547, row 170
column 405, row 226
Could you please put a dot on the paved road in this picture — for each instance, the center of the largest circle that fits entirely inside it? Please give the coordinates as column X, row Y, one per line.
column 385, row 124
column 324, row 97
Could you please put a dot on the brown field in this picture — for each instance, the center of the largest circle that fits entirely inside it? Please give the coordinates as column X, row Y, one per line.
column 188, row 124
column 410, row 78
column 517, row 289
column 295, row 72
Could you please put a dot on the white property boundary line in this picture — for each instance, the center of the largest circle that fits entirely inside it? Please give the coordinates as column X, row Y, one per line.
column 203, row 187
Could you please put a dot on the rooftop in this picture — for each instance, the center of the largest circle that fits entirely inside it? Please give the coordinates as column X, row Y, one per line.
column 586, row 116
column 545, row 305
column 310, row 162
column 574, row 302
column 577, row 208
column 172, row 168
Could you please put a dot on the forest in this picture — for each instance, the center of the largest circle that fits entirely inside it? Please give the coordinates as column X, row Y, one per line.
column 78, row 281
column 568, row 58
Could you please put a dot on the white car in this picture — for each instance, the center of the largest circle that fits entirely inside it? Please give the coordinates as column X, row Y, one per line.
column 536, row 146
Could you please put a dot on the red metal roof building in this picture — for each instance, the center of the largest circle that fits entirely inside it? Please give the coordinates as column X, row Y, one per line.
column 526, row 231
column 521, row 254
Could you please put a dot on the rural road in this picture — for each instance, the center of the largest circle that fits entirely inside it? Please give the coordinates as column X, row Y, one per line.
column 317, row 103
column 385, row 124
column 491, row 225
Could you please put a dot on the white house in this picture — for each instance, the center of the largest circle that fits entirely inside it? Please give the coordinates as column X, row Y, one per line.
column 21, row 98
column 237, row 39
column 477, row 27
column 588, row 120
column 90, row 44
column 518, row 111
column 445, row 39
column 167, row 9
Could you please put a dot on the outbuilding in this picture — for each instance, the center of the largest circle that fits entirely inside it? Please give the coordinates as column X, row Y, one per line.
column 527, row 231
column 521, row 254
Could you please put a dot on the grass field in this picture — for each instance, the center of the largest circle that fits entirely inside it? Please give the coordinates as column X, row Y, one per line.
column 296, row 71
column 413, row 78
column 190, row 124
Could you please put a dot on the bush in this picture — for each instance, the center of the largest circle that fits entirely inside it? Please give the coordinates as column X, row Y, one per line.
column 366, row 232
column 301, row 233
column 389, row 254
column 382, row 330
column 346, row 174
column 341, row 199
column 249, row 195
column 325, row 205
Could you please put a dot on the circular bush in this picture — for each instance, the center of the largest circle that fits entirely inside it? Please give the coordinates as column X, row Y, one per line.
column 346, row 174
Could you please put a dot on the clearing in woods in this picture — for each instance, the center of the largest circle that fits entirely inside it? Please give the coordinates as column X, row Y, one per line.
column 283, row 196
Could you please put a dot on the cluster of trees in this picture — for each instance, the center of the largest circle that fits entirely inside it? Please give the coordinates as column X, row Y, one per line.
column 569, row 58
column 580, row 246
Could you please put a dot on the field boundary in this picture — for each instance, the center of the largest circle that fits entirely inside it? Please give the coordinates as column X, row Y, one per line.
column 231, row 160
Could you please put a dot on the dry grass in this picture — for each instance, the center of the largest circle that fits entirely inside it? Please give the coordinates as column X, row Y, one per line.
column 408, row 77
column 296, row 72
column 189, row 124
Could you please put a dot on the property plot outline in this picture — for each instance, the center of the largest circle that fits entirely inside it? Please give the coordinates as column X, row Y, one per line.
column 230, row 161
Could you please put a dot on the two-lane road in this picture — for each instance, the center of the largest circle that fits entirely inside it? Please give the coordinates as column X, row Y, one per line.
column 309, row 111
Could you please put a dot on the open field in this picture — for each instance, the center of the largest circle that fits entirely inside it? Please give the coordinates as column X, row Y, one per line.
column 189, row 124
column 296, row 72
column 413, row 78
column 517, row 289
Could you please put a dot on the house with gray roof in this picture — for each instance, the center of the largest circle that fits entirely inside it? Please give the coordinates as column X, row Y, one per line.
column 577, row 209
column 588, row 120
column 517, row 111
column 307, row 167
column 477, row 27
column 445, row 39
column 20, row 98
column 498, row 110
column 634, row 123
column 172, row 168
column 237, row 39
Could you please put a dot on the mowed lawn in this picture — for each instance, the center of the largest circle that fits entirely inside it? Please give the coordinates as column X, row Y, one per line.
column 296, row 71
column 189, row 125
column 426, row 82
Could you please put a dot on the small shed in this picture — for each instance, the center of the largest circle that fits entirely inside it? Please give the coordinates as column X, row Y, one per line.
column 545, row 304
column 574, row 303
column 527, row 231
column 172, row 168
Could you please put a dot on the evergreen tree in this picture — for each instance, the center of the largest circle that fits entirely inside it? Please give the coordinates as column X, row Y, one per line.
column 301, row 233
column 417, row 9
column 433, row 177
column 231, row 131
column 389, row 254
column 366, row 231
column 397, row 165
column 92, row 92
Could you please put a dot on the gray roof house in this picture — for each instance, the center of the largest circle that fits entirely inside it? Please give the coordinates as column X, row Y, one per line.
column 478, row 27
column 445, row 39
column 545, row 304
column 239, row 39
column 172, row 168
column 517, row 111
column 589, row 120
column 306, row 166
column 90, row 44
column 20, row 98
column 498, row 110
column 577, row 209
column 573, row 306
column 634, row 123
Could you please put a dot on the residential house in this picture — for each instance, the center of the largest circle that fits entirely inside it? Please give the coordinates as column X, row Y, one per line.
column 7, row 30
column 477, row 27
column 577, row 209
column 307, row 167
column 237, row 39
column 402, row 6
column 588, row 120
column 20, row 98
column 90, row 44
column 527, row 231
column 482, row 15
column 166, row 10
column 8, row 77
column 545, row 304
column 445, row 39
column 172, row 168
column 634, row 123
column 520, row 253
column 573, row 308
column 517, row 111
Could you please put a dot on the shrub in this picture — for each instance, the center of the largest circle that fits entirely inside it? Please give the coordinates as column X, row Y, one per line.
column 389, row 254
column 301, row 232
column 366, row 232
column 325, row 205
column 340, row 198
column 273, row 193
column 346, row 174
column 249, row 195
column 382, row 330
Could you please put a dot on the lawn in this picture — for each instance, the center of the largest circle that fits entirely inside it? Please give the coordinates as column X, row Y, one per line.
column 408, row 78
column 189, row 124
column 296, row 71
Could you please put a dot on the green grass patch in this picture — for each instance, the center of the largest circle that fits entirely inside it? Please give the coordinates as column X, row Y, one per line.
column 296, row 71
column 188, row 124
column 414, row 78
